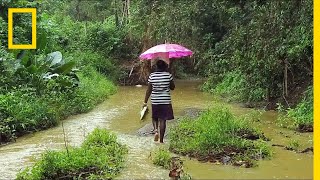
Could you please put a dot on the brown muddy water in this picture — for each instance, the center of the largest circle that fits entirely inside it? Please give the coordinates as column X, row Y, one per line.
column 120, row 114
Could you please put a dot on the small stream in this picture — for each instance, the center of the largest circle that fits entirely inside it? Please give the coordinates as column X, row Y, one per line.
column 120, row 114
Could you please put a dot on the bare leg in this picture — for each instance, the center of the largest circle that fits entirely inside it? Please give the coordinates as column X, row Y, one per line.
column 155, row 124
column 162, row 129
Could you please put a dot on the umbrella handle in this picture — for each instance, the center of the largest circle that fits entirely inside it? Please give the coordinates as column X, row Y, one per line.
column 170, row 65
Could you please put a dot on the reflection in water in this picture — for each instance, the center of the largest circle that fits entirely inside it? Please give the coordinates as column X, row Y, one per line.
column 120, row 114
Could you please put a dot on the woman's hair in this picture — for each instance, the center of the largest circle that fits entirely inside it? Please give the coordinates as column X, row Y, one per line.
column 161, row 65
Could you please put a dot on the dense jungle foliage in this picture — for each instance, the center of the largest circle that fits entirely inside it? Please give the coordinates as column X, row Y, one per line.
column 61, row 77
column 250, row 51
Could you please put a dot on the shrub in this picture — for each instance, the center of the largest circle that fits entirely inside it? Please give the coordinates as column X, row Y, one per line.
column 216, row 134
column 162, row 157
column 94, row 88
column 23, row 111
column 300, row 117
column 103, row 65
column 293, row 145
column 234, row 86
column 99, row 137
column 37, row 91
column 98, row 158
column 105, row 37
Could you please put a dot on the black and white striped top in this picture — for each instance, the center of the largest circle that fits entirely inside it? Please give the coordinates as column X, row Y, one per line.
column 160, row 87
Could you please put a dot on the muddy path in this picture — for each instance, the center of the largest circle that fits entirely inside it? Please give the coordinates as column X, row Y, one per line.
column 120, row 114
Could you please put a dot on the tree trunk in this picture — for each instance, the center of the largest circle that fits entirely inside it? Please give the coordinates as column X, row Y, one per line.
column 85, row 28
column 145, row 67
column 116, row 13
column 145, row 70
column 125, row 12
column 286, row 78
column 78, row 10
column 128, row 11
column 268, row 94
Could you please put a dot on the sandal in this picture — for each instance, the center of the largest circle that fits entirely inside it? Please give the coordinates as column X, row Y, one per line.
column 153, row 131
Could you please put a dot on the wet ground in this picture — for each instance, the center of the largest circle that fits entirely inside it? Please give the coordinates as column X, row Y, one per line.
column 120, row 114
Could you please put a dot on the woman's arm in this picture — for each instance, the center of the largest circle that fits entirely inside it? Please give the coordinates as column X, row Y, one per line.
column 172, row 85
column 148, row 93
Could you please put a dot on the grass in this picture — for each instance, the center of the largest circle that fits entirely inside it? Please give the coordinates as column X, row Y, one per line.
column 218, row 135
column 299, row 118
column 94, row 89
column 302, row 114
column 99, row 157
column 233, row 86
column 161, row 157
column 23, row 110
column 293, row 145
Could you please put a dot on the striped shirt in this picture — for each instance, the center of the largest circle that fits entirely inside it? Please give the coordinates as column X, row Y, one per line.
column 160, row 87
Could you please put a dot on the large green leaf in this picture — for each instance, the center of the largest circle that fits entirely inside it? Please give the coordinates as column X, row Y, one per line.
column 65, row 68
column 21, row 54
column 55, row 58
column 32, row 69
column 42, row 40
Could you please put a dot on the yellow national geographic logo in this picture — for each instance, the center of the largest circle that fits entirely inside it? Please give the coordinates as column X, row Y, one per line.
column 33, row 12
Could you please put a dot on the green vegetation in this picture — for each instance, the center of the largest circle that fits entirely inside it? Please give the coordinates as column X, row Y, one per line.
column 262, row 57
column 164, row 158
column 252, row 51
column 249, row 50
column 65, row 75
column 232, row 87
column 218, row 136
column 300, row 117
column 99, row 157
column 95, row 89
column 293, row 145
column 302, row 114
column 161, row 157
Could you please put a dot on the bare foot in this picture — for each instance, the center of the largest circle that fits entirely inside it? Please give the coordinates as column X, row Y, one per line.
column 156, row 137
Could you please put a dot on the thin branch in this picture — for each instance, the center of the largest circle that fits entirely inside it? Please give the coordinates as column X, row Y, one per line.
column 64, row 138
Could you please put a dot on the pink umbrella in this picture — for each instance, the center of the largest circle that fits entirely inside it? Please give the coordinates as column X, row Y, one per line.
column 166, row 50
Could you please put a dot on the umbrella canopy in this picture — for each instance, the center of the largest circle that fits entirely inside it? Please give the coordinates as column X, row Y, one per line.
column 166, row 50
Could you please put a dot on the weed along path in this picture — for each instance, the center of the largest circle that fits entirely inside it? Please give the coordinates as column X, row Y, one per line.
column 120, row 114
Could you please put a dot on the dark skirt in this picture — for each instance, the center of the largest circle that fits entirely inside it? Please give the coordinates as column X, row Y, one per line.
column 162, row 111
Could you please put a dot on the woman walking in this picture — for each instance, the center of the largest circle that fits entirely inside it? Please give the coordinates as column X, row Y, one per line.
column 160, row 83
